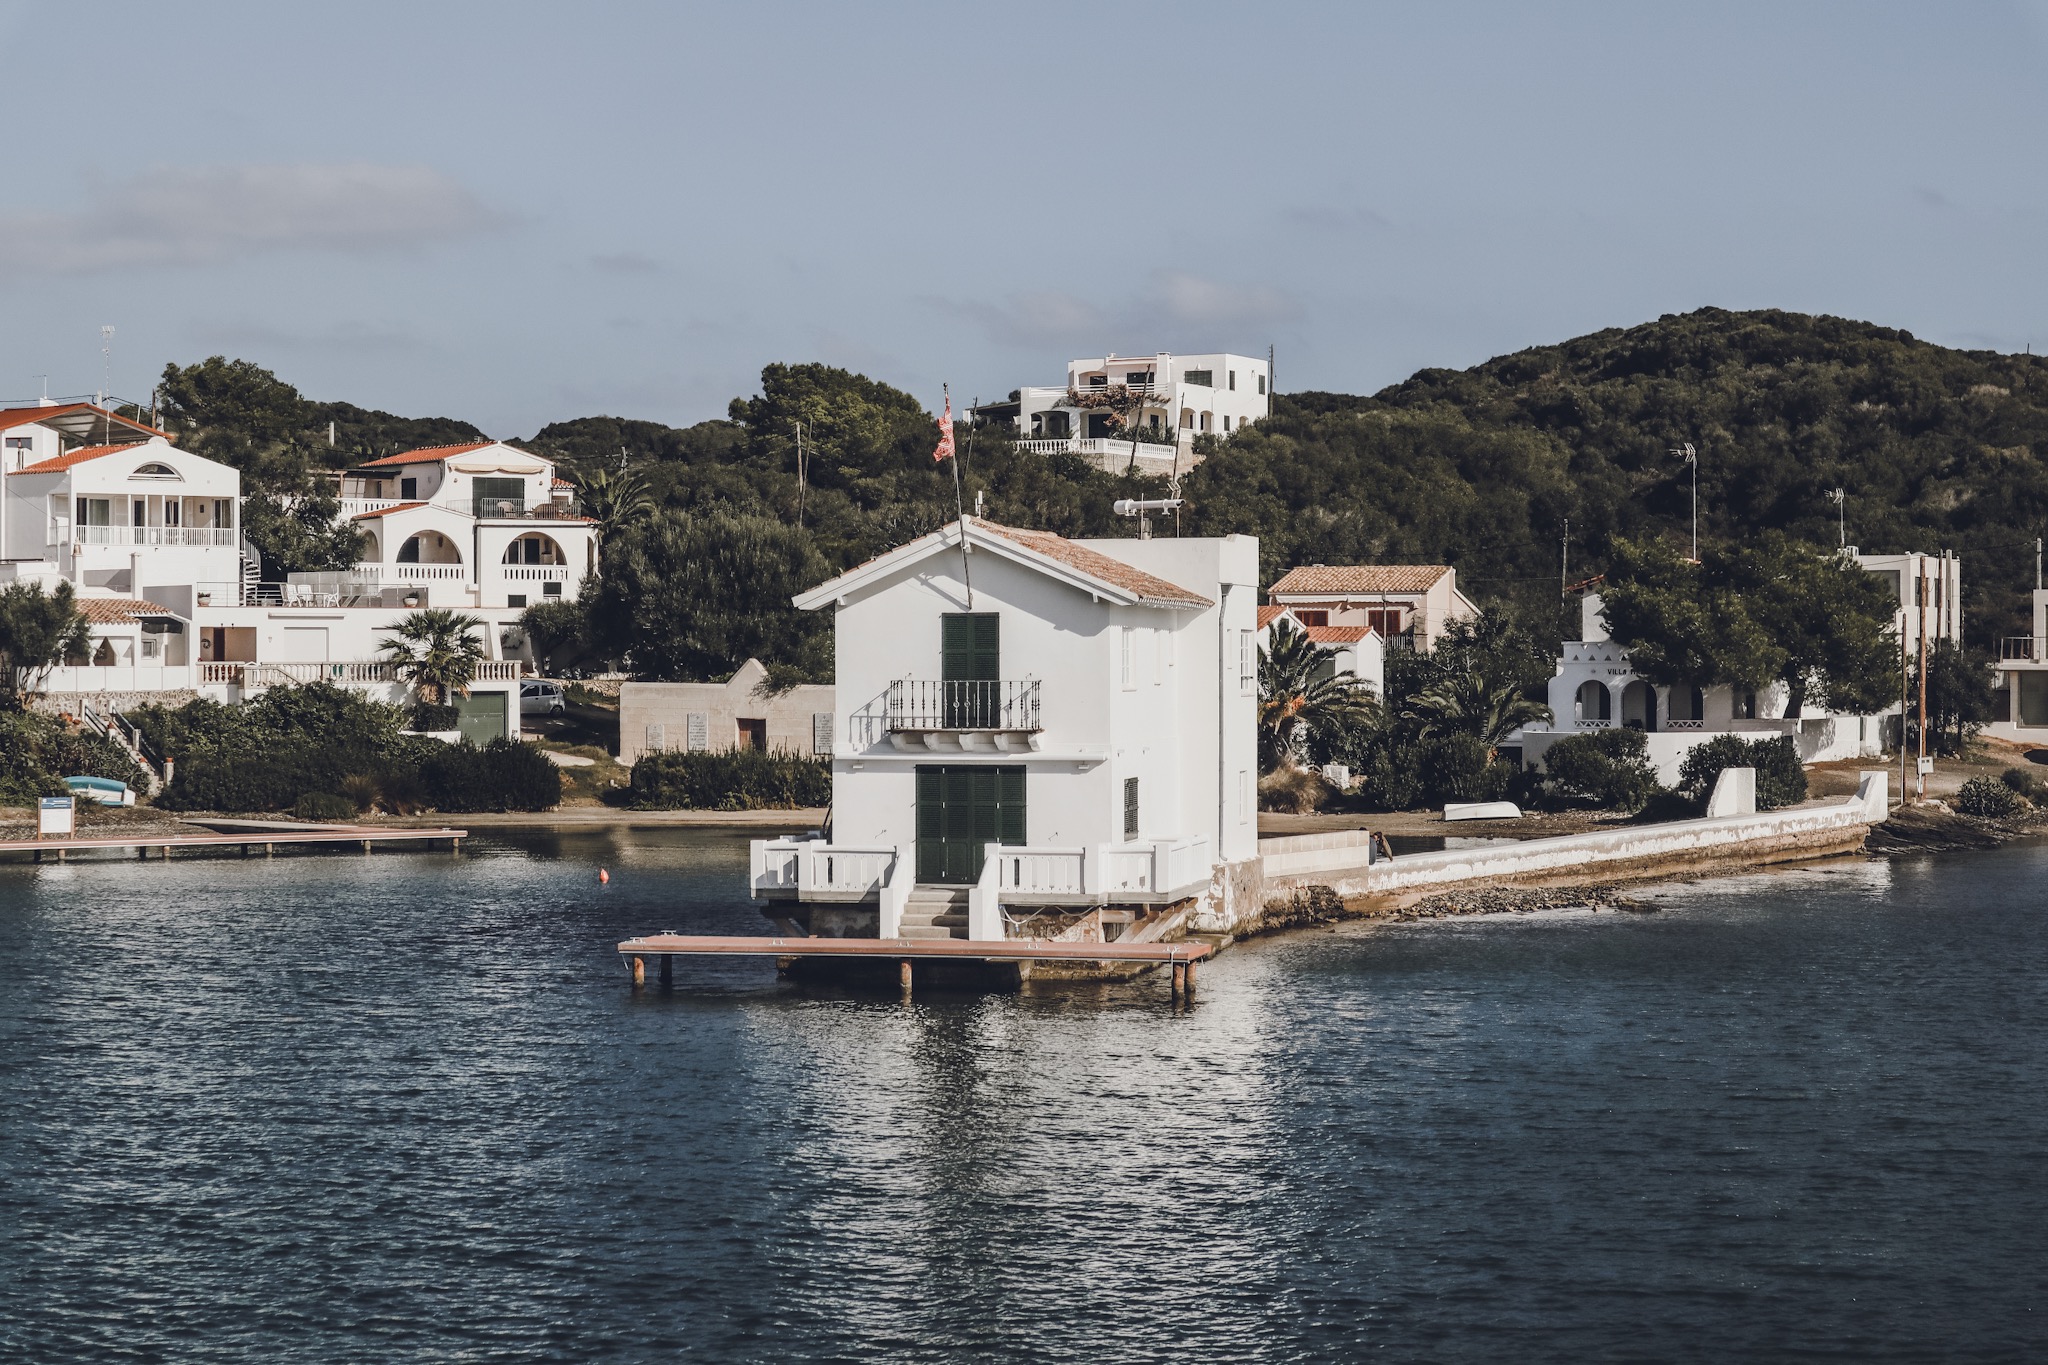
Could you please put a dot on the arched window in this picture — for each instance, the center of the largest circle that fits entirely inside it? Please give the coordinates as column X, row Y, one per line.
column 155, row 470
column 1595, row 702
column 535, row 548
column 1639, row 706
column 429, row 547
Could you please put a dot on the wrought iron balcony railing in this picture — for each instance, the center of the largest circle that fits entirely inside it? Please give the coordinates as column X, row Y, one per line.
column 920, row 705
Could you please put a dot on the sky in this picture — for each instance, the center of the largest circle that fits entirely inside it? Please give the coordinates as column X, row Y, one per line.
column 522, row 213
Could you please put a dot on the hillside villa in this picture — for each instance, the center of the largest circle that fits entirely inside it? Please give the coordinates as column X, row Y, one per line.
column 2020, row 703
column 149, row 537
column 1180, row 397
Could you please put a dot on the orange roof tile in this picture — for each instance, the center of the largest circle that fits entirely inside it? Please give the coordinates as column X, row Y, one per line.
column 1096, row 564
column 387, row 511
column 1267, row 615
column 75, row 419
column 118, row 611
column 57, row 463
column 1348, row 578
column 1336, row 635
column 428, row 454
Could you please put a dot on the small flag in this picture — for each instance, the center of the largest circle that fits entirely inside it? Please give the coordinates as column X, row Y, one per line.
column 945, row 448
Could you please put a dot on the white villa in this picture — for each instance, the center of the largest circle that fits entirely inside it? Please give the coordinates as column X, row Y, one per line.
column 1595, row 688
column 1406, row 605
column 149, row 537
column 1034, row 731
column 2022, row 693
column 1183, row 397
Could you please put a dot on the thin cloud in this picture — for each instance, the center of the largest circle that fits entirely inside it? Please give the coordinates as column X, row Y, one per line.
column 625, row 263
column 1173, row 308
column 1330, row 218
column 195, row 215
column 359, row 338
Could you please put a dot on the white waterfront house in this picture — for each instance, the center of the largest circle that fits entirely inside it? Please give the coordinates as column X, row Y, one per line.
column 1596, row 688
column 149, row 538
column 1179, row 398
column 2021, row 699
column 1407, row 605
column 1070, row 736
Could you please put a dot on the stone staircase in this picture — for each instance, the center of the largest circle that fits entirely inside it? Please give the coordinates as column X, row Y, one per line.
column 936, row 912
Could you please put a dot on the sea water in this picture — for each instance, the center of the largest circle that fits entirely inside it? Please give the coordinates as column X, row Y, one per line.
column 406, row 1107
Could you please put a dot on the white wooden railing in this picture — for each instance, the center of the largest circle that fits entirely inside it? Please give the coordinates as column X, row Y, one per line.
column 535, row 573
column 151, row 535
column 814, row 869
column 1095, row 446
column 251, row 676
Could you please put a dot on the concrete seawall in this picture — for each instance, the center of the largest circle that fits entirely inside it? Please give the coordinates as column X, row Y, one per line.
column 1337, row 860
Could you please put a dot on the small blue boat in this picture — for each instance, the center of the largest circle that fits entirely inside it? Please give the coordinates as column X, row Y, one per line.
column 104, row 790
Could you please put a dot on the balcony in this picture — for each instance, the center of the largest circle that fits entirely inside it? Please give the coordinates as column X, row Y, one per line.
column 1095, row 447
column 988, row 714
column 208, row 536
column 481, row 509
column 2020, row 649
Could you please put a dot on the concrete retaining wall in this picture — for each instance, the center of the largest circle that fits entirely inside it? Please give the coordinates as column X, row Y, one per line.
column 1337, row 860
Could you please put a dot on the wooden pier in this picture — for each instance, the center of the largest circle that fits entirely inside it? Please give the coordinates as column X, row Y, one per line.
column 1181, row 956
column 267, row 837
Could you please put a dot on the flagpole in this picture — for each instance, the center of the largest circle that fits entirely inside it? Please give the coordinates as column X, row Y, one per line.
column 960, row 507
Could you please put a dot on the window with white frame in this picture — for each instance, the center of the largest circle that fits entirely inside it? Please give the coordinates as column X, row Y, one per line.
column 1247, row 662
column 1130, row 658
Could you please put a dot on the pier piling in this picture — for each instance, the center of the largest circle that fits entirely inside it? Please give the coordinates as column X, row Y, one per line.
column 904, row 976
column 668, row 969
column 1187, row 981
column 639, row 972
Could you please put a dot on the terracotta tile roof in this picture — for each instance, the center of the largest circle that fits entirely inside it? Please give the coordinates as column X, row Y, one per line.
column 1267, row 615
column 1336, row 635
column 57, row 463
column 118, row 611
column 74, row 419
column 428, row 454
column 1346, row 578
column 1096, row 564
column 387, row 511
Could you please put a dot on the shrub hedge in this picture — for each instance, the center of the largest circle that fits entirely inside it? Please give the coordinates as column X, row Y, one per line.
column 325, row 740
column 1780, row 776
column 1611, row 767
column 736, row 779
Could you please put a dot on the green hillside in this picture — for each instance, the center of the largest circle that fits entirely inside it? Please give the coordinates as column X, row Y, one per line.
column 1480, row 468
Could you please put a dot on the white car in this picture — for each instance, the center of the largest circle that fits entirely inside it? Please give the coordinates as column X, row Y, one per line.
column 538, row 698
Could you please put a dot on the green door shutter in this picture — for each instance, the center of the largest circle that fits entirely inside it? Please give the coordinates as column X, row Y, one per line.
column 931, row 827
column 970, row 663
column 1010, row 805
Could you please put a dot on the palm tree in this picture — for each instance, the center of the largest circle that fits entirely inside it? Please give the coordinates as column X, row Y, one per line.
column 614, row 499
column 1471, row 703
column 437, row 651
column 1302, row 702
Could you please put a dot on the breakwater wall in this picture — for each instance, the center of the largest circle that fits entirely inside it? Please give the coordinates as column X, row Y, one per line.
column 1339, row 860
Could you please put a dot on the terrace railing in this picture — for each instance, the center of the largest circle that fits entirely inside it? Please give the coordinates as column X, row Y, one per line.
column 924, row 705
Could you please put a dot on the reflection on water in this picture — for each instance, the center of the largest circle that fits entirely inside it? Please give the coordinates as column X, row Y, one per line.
column 405, row 1107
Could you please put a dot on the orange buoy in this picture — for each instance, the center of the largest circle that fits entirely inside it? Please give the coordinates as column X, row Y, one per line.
column 603, row 877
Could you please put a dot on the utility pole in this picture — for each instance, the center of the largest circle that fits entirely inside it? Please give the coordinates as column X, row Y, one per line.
column 1923, row 679
column 1840, row 498
column 799, row 475
column 1691, row 456
column 1564, row 564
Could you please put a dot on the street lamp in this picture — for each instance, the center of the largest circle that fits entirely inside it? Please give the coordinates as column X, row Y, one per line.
column 1692, row 457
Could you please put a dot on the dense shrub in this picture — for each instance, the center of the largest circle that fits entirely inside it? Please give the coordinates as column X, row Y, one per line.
column 38, row 752
column 1780, row 776
column 325, row 806
column 1607, row 766
column 737, row 779
column 1989, row 799
column 503, row 775
column 1459, row 768
column 1293, row 790
column 266, row 754
column 2025, row 783
column 428, row 716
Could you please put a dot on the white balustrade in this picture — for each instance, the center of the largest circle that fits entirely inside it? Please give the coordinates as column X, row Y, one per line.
column 1028, row 871
column 535, row 573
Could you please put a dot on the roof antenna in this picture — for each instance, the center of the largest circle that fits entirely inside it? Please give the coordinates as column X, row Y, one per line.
column 106, row 362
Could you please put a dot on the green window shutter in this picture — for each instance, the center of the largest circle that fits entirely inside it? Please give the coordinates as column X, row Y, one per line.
column 1130, row 808
column 970, row 646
